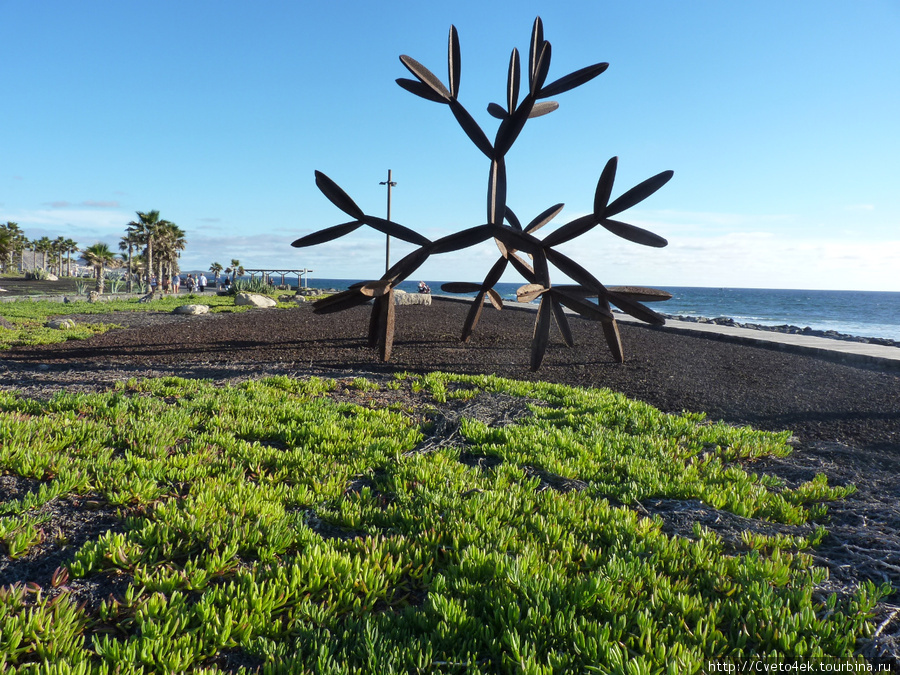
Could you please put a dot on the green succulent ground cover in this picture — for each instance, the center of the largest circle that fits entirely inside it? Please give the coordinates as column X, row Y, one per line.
column 29, row 316
column 272, row 526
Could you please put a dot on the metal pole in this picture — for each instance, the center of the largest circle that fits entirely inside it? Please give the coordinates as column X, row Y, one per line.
column 387, row 243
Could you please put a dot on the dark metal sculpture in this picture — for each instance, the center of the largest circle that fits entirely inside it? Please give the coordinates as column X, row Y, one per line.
column 502, row 224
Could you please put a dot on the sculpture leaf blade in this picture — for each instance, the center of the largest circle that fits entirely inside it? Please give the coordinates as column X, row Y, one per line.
column 464, row 239
column 542, row 108
column 473, row 131
column 571, row 230
column 512, row 82
column 562, row 321
column 534, row 49
column 496, row 206
column 633, row 233
column 453, row 62
column 327, row 234
column 572, row 80
column 473, row 316
column 641, row 293
column 605, row 186
column 635, row 309
column 340, row 301
column 541, row 334
column 421, row 89
column 338, row 197
column 496, row 110
column 461, row 287
column 529, row 292
column 495, row 299
column 638, row 193
column 493, row 276
column 425, row 76
column 543, row 218
column 588, row 310
column 396, row 230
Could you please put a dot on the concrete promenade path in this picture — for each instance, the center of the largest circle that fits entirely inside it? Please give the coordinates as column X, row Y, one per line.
column 856, row 353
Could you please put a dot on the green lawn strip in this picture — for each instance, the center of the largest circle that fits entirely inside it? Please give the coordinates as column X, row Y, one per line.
column 28, row 317
column 268, row 525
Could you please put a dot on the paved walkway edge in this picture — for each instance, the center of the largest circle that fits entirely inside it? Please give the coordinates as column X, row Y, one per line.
column 860, row 354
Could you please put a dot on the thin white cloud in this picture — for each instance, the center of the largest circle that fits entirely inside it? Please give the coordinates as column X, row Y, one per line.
column 101, row 204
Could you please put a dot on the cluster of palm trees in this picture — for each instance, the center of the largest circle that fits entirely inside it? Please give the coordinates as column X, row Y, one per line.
column 159, row 242
column 151, row 245
column 13, row 243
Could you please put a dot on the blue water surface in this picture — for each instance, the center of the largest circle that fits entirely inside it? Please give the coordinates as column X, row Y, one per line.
column 863, row 313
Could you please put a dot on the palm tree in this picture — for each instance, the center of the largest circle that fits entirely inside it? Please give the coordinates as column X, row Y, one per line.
column 6, row 246
column 216, row 269
column 237, row 270
column 147, row 228
column 59, row 248
column 127, row 243
column 71, row 246
column 99, row 256
column 43, row 246
column 170, row 244
column 13, row 237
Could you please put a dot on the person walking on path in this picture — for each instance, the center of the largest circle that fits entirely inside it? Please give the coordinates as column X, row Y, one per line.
column 176, row 283
column 201, row 282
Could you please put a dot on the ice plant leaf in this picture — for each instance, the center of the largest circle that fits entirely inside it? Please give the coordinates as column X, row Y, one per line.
column 338, row 197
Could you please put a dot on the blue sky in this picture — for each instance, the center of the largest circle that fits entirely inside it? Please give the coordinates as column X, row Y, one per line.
column 780, row 121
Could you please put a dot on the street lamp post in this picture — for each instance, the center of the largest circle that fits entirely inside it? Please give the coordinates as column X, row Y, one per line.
column 387, row 243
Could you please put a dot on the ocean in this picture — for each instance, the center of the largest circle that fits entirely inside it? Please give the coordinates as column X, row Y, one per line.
column 862, row 313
